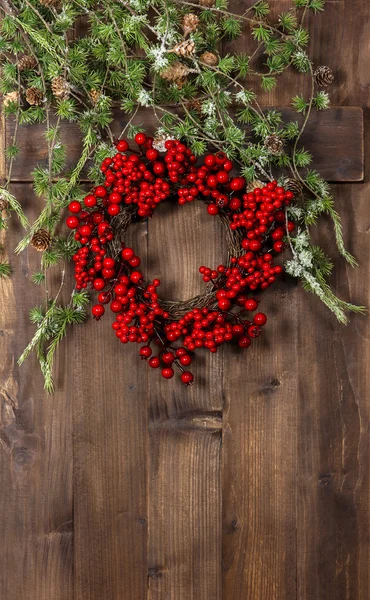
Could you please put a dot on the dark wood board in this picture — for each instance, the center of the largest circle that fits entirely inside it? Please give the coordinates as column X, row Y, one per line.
column 338, row 157
column 255, row 484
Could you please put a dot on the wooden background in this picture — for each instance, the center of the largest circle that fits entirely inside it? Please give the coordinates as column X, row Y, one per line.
column 251, row 485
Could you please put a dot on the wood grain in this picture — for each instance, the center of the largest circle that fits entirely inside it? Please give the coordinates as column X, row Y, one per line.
column 252, row 485
column 36, row 472
column 338, row 157
column 185, row 427
column 108, row 386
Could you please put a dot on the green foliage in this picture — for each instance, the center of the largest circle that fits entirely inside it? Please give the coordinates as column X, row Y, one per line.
column 5, row 269
column 299, row 104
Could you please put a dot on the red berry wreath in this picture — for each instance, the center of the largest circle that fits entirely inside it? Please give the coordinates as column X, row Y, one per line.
column 135, row 183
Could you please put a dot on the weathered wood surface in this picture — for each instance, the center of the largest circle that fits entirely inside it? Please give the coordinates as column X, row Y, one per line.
column 254, row 485
column 335, row 139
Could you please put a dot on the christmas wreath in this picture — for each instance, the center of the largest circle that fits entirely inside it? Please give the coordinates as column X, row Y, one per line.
column 169, row 57
column 257, row 222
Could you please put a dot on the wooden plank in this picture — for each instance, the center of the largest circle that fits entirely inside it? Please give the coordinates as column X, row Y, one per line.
column 184, row 546
column 36, row 511
column 259, row 458
column 333, row 431
column 260, row 430
column 334, row 137
column 334, row 486
column 108, row 385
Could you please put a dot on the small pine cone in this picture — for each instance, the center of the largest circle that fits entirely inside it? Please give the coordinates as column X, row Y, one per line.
column 34, row 96
column 194, row 105
column 4, row 204
column 175, row 72
column 295, row 186
column 190, row 23
column 60, row 87
column 26, row 63
column 94, row 96
column 185, row 48
column 274, row 144
column 159, row 142
column 324, row 76
column 207, row 3
column 10, row 97
column 41, row 240
column 209, row 58
column 256, row 183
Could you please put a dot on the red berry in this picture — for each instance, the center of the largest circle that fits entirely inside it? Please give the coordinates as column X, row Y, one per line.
column 72, row 222
column 113, row 210
column 74, row 207
column 154, row 362
column 140, row 139
column 116, row 306
column 255, row 245
column 98, row 284
column 237, row 184
column 98, row 311
column 244, row 342
column 145, row 351
column 224, row 304
column 185, row 360
column 212, row 209
column 210, row 160
column 100, row 191
column 278, row 246
column 251, row 304
column 128, row 254
column 136, row 276
column 260, row 319
column 90, row 201
column 115, row 198
column 222, row 177
column 167, row 372
column 122, row 146
column 152, row 154
column 168, row 358
column 187, row 377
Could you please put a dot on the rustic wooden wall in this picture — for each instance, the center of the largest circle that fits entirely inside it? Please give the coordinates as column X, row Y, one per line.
column 251, row 485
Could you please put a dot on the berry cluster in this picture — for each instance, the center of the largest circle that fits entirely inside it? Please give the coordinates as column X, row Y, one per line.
column 144, row 178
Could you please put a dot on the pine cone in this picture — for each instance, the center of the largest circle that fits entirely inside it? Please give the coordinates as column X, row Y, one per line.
column 209, row 58
column 94, row 95
column 194, row 105
column 10, row 97
column 34, row 96
column 4, row 204
column 295, row 186
column 60, row 87
column 41, row 240
column 324, row 76
column 26, row 63
column 274, row 144
column 190, row 23
column 256, row 183
column 207, row 3
column 159, row 141
column 175, row 72
column 185, row 48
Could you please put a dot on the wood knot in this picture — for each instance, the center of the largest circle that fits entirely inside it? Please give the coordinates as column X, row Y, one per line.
column 155, row 572
column 22, row 457
column 234, row 525
column 271, row 386
column 325, row 480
